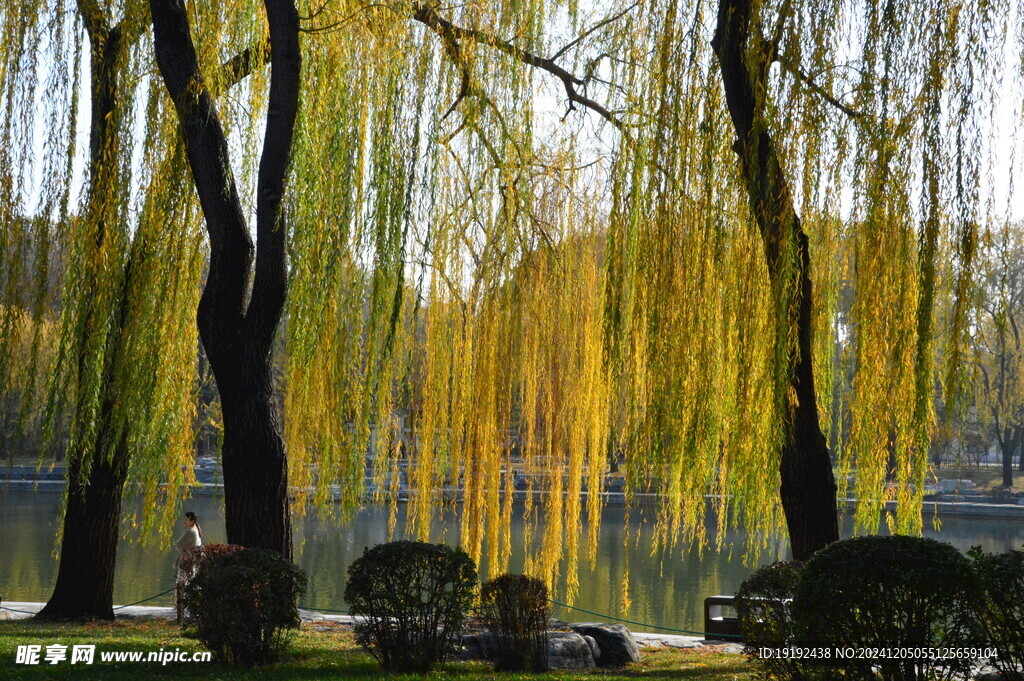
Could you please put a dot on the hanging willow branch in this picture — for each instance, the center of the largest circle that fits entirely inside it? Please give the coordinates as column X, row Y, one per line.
column 534, row 303
column 451, row 34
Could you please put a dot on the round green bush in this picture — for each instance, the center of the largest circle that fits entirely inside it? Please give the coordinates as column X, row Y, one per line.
column 514, row 609
column 189, row 563
column 763, row 606
column 886, row 593
column 241, row 604
column 1000, row 614
column 413, row 598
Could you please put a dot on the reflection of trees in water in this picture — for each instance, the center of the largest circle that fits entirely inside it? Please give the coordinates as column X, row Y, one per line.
column 27, row 535
column 666, row 589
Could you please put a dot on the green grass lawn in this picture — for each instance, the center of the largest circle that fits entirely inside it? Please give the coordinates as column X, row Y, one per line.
column 314, row 655
column 984, row 478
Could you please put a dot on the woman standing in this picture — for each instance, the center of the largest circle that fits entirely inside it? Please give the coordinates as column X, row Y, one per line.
column 191, row 538
column 184, row 566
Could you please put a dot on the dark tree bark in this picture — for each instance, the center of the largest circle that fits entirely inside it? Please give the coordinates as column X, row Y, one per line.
column 1020, row 450
column 890, row 460
column 96, row 471
column 1009, row 442
column 85, row 578
column 238, row 338
column 808, row 486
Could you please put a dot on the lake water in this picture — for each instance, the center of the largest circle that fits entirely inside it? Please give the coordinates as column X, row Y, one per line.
column 668, row 591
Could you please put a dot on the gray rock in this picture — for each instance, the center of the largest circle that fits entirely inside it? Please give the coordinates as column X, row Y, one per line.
column 725, row 647
column 679, row 642
column 566, row 649
column 617, row 645
column 569, row 650
column 478, row 646
column 951, row 486
column 988, row 676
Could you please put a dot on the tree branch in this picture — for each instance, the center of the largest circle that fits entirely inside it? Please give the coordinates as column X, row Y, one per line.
column 238, row 67
column 448, row 31
column 93, row 18
column 814, row 87
column 223, row 300
column 270, row 283
column 791, row 67
column 590, row 31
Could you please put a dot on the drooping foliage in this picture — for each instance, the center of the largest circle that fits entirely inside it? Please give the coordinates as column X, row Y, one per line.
column 560, row 295
column 520, row 250
column 112, row 359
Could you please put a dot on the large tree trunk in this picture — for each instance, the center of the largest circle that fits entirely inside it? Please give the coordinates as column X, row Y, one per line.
column 95, row 488
column 96, row 476
column 255, row 467
column 238, row 338
column 1008, row 445
column 96, row 471
column 808, row 488
column 85, row 578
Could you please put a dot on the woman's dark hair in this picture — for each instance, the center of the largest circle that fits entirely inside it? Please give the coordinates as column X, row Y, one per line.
column 195, row 519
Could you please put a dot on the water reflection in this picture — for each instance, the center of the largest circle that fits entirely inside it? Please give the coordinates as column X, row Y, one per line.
column 665, row 590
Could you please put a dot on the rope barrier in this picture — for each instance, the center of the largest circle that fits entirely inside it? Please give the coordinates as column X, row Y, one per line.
column 145, row 599
column 119, row 607
column 589, row 612
column 642, row 624
column 27, row 612
column 313, row 607
column 564, row 605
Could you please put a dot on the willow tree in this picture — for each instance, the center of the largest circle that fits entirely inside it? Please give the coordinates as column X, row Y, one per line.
column 436, row 242
column 781, row 66
column 820, row 167
column 999, row 351
column 125, row 348
column 524, row 226
column 238, row 327
column 97, row 462
column 106, row 353
column 548, row 292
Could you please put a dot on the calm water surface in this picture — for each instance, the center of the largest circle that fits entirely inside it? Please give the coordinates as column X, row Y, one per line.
column 666, row 590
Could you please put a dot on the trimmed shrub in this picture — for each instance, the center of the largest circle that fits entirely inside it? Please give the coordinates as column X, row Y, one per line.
column 1000, row 614
column 763, row 605
column 189, row 563
column 887, row 593
column 241, row 604
column 414, row 597
column 514, row 608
